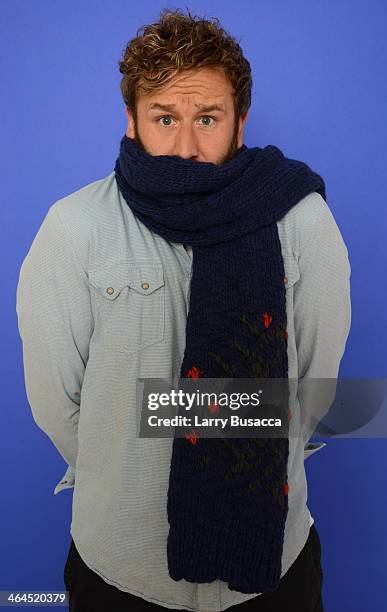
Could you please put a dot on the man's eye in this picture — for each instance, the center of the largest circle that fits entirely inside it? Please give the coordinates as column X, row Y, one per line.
column 165, row 117
column 208, row 117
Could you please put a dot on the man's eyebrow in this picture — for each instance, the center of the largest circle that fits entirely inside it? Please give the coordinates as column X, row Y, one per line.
column 202, row 107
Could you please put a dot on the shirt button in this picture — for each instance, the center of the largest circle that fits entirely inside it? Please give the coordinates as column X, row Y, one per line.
column 110, row 290
column 145, row 285
column 286, row 279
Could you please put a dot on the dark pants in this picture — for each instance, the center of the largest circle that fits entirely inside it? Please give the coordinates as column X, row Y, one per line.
column 299, row 588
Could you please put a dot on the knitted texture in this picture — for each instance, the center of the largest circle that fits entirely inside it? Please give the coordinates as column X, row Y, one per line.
column 227, row 498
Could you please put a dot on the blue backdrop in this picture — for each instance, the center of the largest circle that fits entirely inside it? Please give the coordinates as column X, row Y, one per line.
column 320, row 91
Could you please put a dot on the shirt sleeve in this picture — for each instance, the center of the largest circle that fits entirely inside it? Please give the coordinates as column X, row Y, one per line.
column 55, row 324
column 322, row 316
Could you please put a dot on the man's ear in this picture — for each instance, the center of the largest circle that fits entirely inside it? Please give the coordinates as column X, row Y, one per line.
column 130, row 128
column 242, row 121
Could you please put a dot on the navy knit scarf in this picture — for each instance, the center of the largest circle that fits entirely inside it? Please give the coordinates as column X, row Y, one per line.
column 225, row 528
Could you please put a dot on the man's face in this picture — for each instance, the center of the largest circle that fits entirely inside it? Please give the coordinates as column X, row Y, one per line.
column 181, row 119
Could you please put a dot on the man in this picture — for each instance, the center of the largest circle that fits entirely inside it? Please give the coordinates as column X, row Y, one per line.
column 151, row 272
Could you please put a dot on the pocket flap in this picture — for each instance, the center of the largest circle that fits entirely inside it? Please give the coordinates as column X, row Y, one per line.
column 292, row 271
column 143, row 278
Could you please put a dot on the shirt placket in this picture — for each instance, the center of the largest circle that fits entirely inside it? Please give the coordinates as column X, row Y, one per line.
column 208, row 596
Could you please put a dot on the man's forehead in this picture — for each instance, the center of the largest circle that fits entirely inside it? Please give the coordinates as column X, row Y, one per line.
column 189, row 87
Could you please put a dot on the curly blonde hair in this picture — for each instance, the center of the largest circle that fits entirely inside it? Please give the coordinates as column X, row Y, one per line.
column 178, row 42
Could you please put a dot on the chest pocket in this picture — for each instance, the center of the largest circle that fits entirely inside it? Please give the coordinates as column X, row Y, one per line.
column 128, row 305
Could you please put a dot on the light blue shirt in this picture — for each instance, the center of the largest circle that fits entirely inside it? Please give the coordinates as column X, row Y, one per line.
column 89, row 329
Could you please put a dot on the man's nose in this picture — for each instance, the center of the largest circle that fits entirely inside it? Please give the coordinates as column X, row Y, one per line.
column 185, row 145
